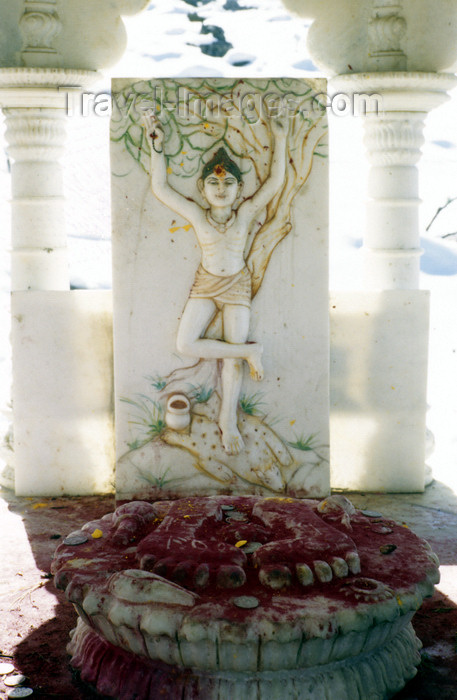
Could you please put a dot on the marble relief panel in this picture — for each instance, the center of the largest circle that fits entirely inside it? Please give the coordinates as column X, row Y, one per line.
column 220, row 202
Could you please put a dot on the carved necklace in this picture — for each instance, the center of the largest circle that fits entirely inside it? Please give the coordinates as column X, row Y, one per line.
column 222, row 228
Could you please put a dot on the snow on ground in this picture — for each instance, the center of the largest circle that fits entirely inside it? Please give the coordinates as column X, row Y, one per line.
column 259, row 39
column 166, row 40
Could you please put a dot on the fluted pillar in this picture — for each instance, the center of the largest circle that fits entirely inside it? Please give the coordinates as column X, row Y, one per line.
column 391, row 247
column 393, row 140
column 34, row 103
column 35, row 143
column 39, row 255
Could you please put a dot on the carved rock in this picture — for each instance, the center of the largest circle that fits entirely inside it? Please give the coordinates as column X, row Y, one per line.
column 243, row 621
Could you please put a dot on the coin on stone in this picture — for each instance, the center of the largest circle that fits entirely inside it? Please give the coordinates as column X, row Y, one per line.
column 16, row 679
column 20, row 692
column 236, row 517
column 248, row 602
column 76, row 538
column 251, row 547
column 6, row 668
column 371, row 513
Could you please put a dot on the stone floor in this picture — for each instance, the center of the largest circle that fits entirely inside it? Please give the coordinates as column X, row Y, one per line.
column 35, row 620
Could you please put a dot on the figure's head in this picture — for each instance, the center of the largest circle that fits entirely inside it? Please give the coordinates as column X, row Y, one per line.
column 221, row 181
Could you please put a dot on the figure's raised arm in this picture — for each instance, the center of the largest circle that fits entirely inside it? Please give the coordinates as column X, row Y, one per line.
column 189, row 209
column 251, row 207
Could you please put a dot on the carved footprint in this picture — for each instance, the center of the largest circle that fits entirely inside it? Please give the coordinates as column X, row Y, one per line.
column 129, row 520
column 310, row 546
column 175, row 552
column 337, row 509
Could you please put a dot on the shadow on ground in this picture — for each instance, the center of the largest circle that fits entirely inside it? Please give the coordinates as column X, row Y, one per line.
column 36, row 619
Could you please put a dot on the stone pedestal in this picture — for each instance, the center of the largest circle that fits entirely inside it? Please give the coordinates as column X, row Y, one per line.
column 62, row 392
column 315, row 600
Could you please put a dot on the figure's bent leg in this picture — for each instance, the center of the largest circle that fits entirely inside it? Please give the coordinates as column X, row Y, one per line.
column 236, row 328
column 196, row 318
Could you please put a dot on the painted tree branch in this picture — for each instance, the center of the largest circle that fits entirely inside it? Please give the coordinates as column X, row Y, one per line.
column 277, row 225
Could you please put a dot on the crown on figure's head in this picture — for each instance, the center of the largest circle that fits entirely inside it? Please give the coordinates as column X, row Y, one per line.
column 220, row 164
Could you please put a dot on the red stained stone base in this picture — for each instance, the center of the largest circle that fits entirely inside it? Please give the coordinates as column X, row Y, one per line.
column 337, row 626
column 118, row 674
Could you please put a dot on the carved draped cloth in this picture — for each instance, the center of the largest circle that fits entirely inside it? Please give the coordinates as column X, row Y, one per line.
column 235, row 289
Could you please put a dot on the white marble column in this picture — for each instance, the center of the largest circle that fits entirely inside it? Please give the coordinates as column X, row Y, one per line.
column 61, row 339
column 380, row 444
column 399, row 52
column 34, row 104
column 393, row 140
column 36, row 139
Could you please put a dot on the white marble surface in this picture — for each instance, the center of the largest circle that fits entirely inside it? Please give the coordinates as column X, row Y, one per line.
column 350, row 36
column 76, row 34
column 379, row 355
column 63, row 423
column 155, row 258
column 152, row 53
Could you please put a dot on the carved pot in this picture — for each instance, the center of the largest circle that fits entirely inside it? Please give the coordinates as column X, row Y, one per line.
column 177, row 416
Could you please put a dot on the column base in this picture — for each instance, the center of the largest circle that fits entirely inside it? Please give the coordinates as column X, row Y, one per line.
column 378, row 395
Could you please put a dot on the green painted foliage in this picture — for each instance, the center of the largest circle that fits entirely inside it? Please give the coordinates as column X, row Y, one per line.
column 148, row 417
column 194, row 125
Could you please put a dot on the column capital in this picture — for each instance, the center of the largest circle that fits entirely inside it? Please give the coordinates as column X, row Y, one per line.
column 397, row 104
column 399, row 90
column 45, row 88
column 380, row 35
